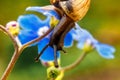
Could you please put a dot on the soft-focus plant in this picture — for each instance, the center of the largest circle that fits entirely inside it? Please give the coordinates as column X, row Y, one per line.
column 58, row 30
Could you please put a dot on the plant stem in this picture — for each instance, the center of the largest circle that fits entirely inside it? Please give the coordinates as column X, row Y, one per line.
column 18, row 50
column 10, row 66
column 76, row 63
column 10, row 35
column 15, row 55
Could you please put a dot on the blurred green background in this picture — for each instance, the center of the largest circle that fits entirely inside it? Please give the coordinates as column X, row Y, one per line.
column 102, row 20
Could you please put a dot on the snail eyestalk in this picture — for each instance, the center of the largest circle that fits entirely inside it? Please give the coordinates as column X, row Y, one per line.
column 37, row 58
column 55, row 56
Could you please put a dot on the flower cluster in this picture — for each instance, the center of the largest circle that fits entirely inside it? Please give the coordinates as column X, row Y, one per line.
column 32, row 27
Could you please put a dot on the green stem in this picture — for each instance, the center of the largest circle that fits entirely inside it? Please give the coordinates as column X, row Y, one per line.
column 76, row 63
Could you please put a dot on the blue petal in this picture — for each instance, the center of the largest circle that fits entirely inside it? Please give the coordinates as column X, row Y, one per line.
column 79, row 33
column 26, row 36
column 105, row 50
column 75, row 32
column 68, row 40
column 48, row 54
column 30, row 22
column 81, row 43
column 82, row 35
column 46, row 10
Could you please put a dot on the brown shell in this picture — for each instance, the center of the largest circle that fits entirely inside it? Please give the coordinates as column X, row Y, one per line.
column 75, row 9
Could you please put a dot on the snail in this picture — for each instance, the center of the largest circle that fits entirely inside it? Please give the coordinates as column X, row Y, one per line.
column 72, row 11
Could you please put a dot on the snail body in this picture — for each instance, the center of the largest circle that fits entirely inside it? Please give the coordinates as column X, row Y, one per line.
column 71, row 12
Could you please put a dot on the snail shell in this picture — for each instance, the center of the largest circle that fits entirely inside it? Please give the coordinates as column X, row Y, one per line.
column 75, row 9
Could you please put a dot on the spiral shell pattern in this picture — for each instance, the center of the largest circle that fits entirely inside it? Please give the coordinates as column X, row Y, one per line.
column 75, row 9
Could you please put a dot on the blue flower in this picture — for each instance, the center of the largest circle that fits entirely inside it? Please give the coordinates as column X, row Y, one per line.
column 33, row 27
column 85, row 38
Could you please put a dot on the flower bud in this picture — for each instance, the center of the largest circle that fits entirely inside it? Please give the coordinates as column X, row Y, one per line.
column 13, row 28
column 54, row 73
